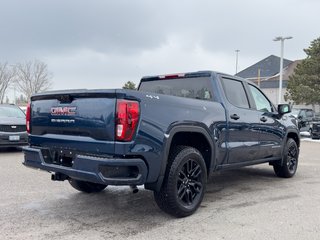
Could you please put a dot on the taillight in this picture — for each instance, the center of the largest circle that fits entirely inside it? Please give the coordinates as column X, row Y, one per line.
column 127, row 118
column 28, row 117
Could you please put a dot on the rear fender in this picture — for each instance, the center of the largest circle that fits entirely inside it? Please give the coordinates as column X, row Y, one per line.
column 167, row 145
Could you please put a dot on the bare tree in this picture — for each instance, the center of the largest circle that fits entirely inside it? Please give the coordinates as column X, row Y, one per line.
column 7, row 74
column 32, row 77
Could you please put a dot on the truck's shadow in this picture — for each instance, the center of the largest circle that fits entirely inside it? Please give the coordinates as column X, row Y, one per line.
column 138, row 212
column 244, row 180
column 248, row 177
column 121, row 201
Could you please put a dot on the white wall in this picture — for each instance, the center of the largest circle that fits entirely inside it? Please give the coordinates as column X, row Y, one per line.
column 272, row 94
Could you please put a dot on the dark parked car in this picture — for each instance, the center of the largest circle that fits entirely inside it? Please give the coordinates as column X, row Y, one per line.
column 12, row 126
column 304, row 116
column 315, row 128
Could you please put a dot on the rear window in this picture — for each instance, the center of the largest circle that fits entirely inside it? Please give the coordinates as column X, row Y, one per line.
column 197, row 88
column 11, row 112
column 309, row 113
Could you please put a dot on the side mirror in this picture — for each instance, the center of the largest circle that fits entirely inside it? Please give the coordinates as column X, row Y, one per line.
column 284, row 108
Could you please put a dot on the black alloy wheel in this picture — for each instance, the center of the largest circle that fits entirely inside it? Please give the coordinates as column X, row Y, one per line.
column 292, row 158
column 189, row 183
column 184, row 183
column 289, row 164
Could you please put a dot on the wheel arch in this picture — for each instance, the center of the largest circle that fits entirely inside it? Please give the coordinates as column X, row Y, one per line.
column 295, row 136
column 187, row 135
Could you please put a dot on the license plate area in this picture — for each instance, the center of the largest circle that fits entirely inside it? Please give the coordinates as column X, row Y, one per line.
column 14, row 138
column 64, row 158
column 60, row 157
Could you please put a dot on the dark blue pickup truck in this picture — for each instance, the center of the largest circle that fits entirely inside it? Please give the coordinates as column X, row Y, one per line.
column 169, row 135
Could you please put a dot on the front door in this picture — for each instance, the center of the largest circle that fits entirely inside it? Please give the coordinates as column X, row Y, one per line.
column 243, row 121
column 270, row 129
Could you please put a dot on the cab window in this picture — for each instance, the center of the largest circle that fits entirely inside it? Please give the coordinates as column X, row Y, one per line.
column 262, row 103
column 235, row 92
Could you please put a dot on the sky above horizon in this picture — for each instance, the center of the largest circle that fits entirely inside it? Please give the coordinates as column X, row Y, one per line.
column 104, row 43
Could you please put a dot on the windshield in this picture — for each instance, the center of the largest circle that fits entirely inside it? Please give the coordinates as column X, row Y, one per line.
column 295, row 112
column 11, row 112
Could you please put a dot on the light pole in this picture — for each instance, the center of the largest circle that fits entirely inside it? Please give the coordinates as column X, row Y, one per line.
column 281, row 65
column 237, row 52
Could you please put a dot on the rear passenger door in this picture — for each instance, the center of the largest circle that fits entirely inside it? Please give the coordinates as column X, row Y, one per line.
column 243, row 121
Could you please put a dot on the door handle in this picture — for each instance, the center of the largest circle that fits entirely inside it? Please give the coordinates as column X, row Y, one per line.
column 234, row 116
column 263, row 119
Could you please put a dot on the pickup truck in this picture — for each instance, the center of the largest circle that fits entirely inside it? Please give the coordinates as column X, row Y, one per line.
column 304, row 117
column 169, row 136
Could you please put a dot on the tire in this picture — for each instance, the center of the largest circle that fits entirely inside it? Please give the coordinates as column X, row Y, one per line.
column 87, row 187
column 184, row 184
column 290, row 160
column 299, row 125
column 311, row 135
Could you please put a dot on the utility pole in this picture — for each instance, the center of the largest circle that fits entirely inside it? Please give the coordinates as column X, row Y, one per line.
column 281, row 65
column 237, row 53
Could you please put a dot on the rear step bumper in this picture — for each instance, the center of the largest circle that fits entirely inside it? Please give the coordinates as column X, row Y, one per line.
column 109, row 171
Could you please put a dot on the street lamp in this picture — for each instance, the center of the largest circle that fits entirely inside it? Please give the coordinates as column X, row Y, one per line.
column 281, row 65
column 237, row 52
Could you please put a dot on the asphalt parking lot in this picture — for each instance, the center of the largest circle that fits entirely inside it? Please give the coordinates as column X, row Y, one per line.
column 250, row 203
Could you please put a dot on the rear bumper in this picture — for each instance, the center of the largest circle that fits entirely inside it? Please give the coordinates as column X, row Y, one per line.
column 5, row 140
column 93, row 169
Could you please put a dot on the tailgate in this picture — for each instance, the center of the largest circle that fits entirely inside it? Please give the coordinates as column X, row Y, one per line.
column 86, row 113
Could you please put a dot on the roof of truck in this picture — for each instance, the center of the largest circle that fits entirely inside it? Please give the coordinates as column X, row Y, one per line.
column 205, row 73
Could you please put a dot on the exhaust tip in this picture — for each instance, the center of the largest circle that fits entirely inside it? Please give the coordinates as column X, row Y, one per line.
column 134, row 189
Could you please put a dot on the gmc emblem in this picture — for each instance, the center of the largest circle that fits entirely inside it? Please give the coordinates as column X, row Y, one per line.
column 63, row 111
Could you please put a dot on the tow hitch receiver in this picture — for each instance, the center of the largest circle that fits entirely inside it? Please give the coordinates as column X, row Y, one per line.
column 59, row 177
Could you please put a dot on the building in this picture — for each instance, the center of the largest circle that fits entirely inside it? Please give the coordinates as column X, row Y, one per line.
column 265, row 74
